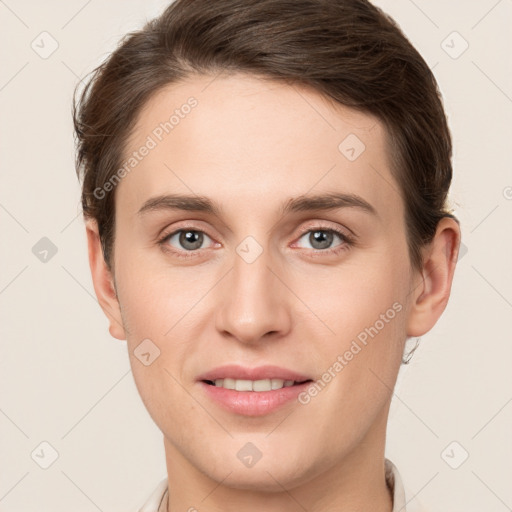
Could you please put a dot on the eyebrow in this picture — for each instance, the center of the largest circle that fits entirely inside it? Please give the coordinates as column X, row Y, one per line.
column 327, row 201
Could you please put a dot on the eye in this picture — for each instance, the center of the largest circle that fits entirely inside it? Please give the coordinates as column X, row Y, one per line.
column 185, row 239
column 321, row 239
column 187, row 242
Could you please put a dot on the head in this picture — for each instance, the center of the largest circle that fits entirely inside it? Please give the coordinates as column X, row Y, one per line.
column 311, row 142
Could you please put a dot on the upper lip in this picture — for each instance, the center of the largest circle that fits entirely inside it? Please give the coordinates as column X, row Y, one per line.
column 237, row 372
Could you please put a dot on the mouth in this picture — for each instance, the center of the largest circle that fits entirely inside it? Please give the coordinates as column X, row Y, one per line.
column 252, row 391
column 257, row 386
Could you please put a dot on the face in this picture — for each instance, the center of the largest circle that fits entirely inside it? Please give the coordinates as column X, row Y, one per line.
column 286, row 261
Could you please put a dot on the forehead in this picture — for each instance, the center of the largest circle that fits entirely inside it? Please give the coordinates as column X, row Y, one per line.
column 241, row 138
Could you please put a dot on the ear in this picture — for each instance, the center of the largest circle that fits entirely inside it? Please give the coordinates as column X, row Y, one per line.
column 103, row 282
column 432, row 289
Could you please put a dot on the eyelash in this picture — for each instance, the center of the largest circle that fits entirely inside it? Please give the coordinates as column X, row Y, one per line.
column 348, row 242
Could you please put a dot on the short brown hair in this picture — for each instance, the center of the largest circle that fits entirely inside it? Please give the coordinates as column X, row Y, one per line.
column 348, row 50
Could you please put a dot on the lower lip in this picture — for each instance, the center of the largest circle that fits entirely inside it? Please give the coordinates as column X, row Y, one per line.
column 253, row 403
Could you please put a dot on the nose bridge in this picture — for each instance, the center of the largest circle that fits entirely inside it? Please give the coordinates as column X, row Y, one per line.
column 253, row 302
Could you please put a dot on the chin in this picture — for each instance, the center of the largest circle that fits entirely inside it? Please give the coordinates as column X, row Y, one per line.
column 261, row 480
column 264, row 476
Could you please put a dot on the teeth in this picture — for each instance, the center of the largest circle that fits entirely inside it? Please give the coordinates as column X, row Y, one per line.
column 253, row 385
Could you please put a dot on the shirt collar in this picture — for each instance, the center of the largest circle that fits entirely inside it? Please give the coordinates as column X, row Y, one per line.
column 395, row 485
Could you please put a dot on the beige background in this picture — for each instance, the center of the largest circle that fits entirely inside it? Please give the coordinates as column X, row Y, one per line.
column 66, row 382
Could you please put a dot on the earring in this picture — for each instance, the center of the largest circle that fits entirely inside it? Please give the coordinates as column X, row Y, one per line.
column 408, row 357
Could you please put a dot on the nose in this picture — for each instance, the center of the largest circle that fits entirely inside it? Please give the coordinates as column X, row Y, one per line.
column 254, row 302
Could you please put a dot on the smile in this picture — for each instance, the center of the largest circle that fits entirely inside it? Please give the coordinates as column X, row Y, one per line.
column 252, row 385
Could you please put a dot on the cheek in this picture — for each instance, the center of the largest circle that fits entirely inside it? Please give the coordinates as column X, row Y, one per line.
column 161, row 310
column 364, row 310
column 155, row 297
column 351, row 297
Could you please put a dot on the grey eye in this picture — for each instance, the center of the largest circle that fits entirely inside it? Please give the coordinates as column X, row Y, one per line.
column 320, row 238
column 189, row 239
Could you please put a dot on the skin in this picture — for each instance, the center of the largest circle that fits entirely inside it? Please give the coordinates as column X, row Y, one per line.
column 250, row 145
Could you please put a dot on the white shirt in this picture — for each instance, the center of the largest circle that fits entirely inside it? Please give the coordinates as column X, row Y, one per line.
column 158, row 500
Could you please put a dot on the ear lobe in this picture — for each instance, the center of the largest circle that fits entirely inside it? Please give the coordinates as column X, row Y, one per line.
column 103, row 282
column 431, row 295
